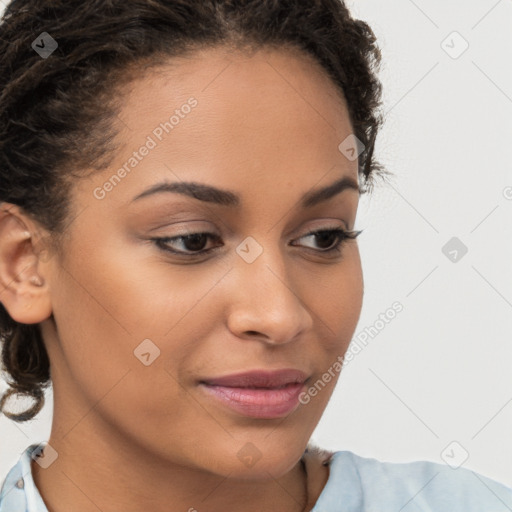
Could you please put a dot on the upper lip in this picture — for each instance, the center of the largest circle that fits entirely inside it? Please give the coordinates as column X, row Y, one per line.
column 259, row 379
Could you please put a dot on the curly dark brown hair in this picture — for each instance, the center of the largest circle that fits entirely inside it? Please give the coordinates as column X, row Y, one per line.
column 57, row 114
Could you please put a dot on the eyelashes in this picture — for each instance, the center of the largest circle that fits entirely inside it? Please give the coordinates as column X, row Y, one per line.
column 193, row 242
column 340, row 235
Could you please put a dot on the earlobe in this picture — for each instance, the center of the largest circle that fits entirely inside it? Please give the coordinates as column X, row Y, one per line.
column 23, row 290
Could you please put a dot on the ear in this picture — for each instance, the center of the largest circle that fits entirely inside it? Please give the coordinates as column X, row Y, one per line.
column 23, row 290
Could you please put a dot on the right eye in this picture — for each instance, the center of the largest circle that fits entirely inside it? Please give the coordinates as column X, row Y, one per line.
column 192, row 242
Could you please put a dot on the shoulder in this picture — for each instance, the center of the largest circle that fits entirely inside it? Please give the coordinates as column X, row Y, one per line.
column 362, row 483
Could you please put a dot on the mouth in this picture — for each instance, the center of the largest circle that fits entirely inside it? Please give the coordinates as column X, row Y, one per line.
column 259, row 379
column 258, row 393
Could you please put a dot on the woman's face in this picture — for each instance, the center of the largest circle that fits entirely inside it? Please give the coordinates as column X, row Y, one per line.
column 137, row 328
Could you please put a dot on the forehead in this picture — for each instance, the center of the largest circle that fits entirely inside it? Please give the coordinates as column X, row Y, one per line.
column 257, row 122
column 267, row 85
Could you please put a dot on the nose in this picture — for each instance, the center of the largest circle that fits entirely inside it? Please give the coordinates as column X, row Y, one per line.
column 265, row 302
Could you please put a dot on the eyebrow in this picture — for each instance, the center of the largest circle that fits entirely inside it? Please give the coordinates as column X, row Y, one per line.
column 210, row 194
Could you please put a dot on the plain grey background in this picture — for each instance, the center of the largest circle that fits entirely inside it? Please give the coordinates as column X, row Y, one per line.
column 433, row 383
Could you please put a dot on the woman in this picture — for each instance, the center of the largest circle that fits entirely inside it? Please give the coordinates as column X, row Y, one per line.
column 187, row 375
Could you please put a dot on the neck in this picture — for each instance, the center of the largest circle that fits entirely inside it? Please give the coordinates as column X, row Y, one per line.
column 98, row 469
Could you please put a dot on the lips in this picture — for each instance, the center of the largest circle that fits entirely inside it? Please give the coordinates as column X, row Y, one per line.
column 258, row 393
column 259, row 379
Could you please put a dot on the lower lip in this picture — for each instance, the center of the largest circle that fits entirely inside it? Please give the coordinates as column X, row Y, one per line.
column 258, row 403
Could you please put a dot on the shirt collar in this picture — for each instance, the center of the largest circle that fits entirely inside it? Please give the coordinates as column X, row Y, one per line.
column 19, row 492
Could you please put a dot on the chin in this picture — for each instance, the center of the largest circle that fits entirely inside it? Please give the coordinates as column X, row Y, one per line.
column 246, row 461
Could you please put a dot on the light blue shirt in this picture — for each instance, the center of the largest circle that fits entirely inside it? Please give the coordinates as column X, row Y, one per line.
column 355, row 484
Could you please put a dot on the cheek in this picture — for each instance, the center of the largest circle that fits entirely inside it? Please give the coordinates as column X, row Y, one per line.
column 336, row 300
column 109, row 326
column 112, row 309
column 337, row 309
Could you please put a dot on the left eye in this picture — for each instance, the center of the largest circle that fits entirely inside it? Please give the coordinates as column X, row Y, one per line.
column 324, row 236
column 194, row 243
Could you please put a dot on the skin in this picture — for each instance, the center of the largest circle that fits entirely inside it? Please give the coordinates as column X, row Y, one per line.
column 267, row 126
